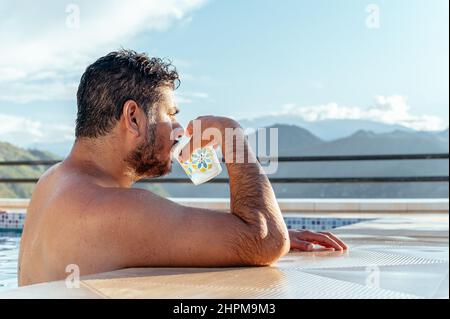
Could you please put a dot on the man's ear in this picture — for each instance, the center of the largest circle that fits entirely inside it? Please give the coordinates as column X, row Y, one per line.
column 132, row 115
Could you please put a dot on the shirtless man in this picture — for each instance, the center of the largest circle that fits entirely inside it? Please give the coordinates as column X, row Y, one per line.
column 83, row 211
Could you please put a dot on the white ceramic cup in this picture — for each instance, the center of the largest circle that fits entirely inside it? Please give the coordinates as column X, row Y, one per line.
column 203, row 165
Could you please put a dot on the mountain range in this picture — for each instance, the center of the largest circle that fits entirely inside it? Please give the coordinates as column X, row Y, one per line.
column 298, row 141
column 326, row 130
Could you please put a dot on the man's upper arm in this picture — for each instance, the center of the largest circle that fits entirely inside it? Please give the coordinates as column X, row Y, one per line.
column 148, row 230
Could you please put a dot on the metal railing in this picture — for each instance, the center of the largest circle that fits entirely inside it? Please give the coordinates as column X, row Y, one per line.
column 286, row 180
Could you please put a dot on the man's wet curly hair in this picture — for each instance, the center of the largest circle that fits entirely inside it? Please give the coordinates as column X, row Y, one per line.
column 114, row 79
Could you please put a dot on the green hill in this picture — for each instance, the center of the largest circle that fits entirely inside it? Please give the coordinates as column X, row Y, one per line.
column 9, row 152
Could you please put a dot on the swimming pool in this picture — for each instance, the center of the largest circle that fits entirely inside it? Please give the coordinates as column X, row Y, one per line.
column 9, row 253
column 10, row 241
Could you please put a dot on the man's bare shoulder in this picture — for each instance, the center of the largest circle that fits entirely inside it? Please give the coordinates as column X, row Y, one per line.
column 127, row 202
column 72, row 206
column 60, row 185
column 78, row 192
column 87, row 196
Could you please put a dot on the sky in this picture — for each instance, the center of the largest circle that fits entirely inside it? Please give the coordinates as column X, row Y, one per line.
column 379, row 60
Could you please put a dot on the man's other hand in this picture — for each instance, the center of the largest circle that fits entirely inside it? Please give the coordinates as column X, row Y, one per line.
column 304, row 240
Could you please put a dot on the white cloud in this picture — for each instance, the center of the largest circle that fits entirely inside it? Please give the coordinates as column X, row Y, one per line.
column 180, row 100
column 386, row 109
column 199, row 95
column 47, row 50
column 23, row 92
column 23, row 131
column 189, row 97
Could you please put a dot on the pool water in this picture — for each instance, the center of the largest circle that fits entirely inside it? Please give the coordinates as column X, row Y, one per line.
column 10, row 241
column 9, row 254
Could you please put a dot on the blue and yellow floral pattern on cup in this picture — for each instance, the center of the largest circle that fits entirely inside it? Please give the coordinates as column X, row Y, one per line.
column 203, row 165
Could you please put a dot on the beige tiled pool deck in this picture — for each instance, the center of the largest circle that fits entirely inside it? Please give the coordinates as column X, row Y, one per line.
column 392, row 257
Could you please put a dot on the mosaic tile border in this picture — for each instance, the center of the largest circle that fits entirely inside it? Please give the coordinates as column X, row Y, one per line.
column 15, row 221
column 12, row 220
column 320, row 223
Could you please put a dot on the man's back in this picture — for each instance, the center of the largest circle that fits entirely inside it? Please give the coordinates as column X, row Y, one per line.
column 34, row 249
column 53, row 236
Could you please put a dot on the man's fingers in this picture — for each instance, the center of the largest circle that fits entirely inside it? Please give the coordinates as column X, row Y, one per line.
column 186, row 151
column 300, row 238
column 301, row 245
column 336, row 239
column 189, row 129
column 322, row 240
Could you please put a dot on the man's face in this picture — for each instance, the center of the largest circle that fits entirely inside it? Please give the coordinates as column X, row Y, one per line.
column 153, row 157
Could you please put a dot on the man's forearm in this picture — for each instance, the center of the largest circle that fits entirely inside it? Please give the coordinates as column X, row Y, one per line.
column 253, row 200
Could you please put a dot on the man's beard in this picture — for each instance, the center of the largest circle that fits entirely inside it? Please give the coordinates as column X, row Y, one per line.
column 145, row 161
